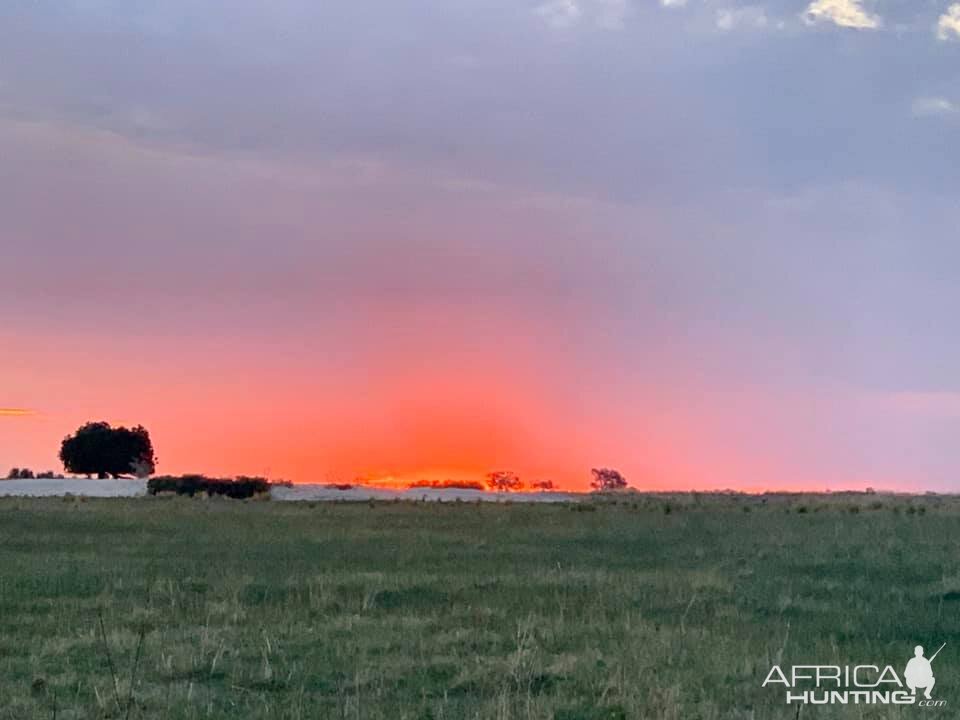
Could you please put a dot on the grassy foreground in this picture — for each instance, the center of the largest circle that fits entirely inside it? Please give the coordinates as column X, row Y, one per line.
column 652, row 607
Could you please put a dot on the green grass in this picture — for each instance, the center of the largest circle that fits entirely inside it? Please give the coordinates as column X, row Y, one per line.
column 652, row 607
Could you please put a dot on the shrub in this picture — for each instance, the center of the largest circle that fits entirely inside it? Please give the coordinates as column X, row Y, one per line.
column 605, row 479
column 447, row 484
column 237, row 488
column 21, row 474
column 504, row 481
column 339, row 486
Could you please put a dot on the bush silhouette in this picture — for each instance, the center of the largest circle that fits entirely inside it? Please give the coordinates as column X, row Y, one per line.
column 21, row 474
column 504, row 481
column 96, row 448
column 605, row 479
column 447, row 484
column 191, row 485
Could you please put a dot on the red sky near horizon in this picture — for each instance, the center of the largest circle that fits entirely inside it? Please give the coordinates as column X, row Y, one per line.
column 423, row 408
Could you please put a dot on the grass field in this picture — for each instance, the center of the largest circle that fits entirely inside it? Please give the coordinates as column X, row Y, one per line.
column 650, row 607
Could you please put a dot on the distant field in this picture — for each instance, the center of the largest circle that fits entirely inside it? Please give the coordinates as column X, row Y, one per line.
column 651, row 607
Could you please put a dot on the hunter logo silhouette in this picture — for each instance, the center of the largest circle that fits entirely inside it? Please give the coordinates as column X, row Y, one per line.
column 919, row 672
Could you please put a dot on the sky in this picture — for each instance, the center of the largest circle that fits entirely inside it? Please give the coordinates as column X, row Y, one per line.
column 710, row 243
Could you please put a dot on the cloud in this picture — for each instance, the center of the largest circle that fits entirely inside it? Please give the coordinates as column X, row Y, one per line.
column 673, row 3
column 16, row 412
column 948, row 26
column 933, row 106
column 560, row 13
column 845, row 13
column 751, row 17
column 563, row 14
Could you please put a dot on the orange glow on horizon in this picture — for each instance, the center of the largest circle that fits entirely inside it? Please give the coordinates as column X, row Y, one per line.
column 390, row 417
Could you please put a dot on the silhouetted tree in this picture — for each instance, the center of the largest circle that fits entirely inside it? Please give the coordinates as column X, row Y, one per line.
column 605, row 479
column 20, row 474
column 28, row 474
column 543, row 485
column 504, row 481
column 97, row 448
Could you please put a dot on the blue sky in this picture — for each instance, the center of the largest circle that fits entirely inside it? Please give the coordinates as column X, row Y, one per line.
column 731, row 226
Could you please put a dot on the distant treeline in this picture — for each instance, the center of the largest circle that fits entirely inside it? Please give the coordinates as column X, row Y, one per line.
column 448, row 484
column 27, row 474
column 238, row 488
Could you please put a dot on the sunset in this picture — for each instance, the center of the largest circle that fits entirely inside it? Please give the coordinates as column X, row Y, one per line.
column 366, row 252
column 347, row 312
